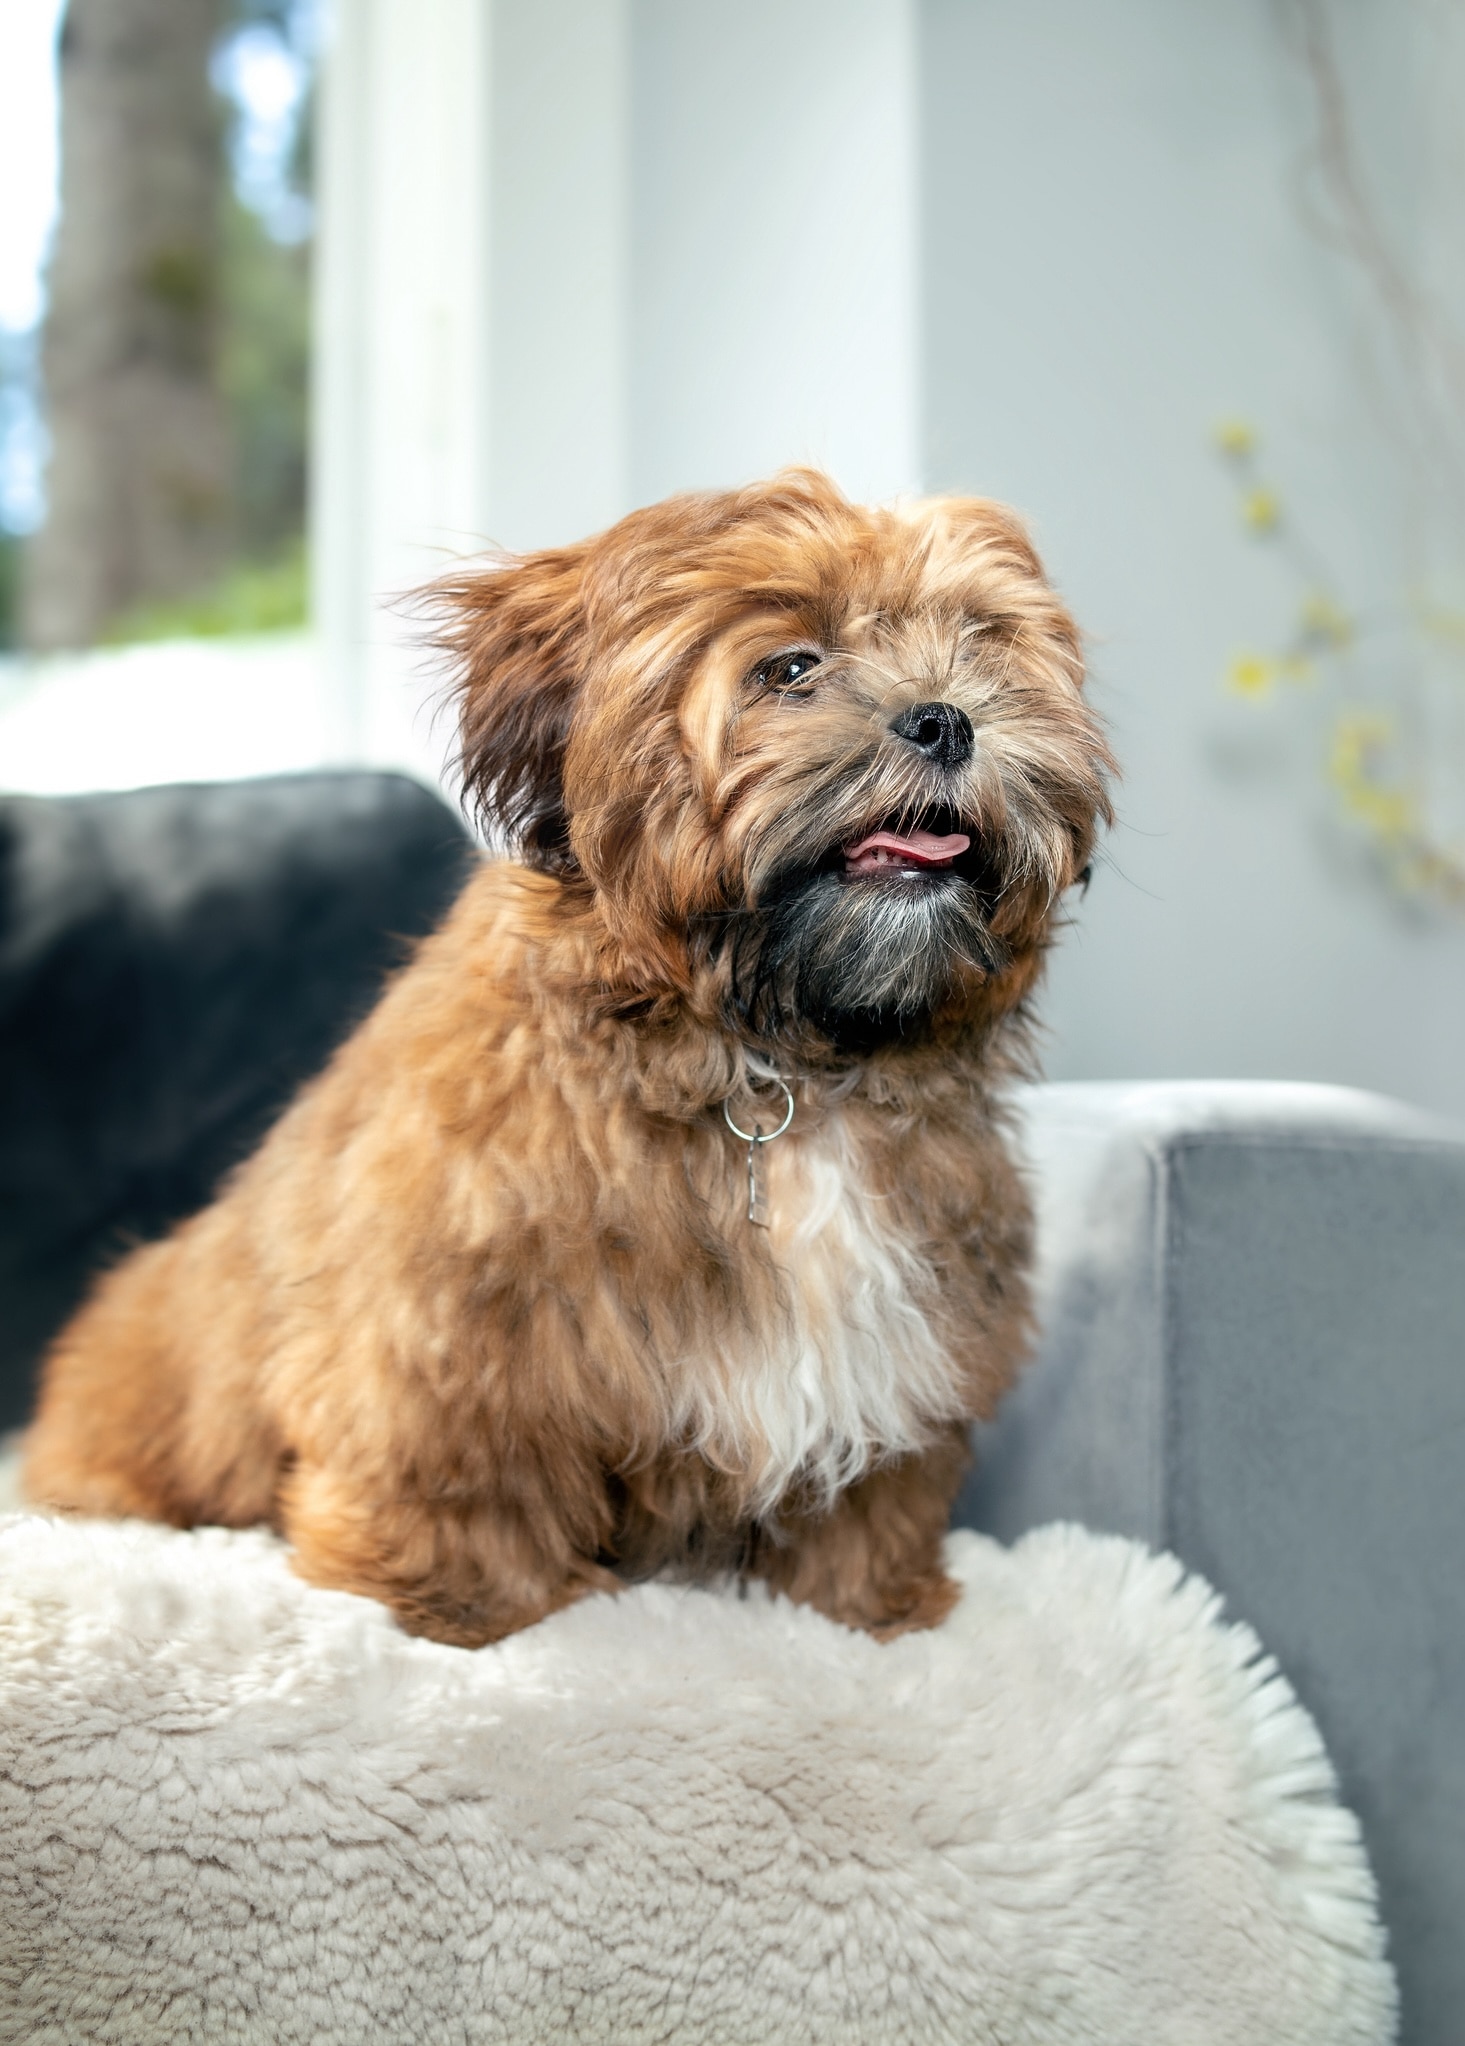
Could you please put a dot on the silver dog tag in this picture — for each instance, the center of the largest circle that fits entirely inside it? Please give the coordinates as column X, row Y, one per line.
column 757, row 1191
column 758, row 1210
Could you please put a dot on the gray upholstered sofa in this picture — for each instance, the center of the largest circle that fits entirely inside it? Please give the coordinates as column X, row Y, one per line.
column 1253, row 1353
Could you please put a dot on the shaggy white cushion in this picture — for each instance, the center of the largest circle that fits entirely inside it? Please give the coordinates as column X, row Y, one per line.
column 1082, row 1811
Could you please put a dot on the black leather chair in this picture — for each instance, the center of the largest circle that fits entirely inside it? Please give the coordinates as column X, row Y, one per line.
column 173, row 963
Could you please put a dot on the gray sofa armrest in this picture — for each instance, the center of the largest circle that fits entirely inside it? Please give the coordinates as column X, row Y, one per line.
column 1252, row 1352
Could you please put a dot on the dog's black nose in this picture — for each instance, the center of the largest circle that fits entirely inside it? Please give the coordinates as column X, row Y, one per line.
column 941, row 731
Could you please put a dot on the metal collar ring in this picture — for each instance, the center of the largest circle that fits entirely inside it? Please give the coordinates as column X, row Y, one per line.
column 757, row 1136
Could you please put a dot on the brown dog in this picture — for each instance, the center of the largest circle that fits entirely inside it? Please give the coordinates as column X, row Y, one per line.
column 504, row 1310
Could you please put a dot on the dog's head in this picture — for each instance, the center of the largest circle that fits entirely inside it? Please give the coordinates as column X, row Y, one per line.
column 829, row 766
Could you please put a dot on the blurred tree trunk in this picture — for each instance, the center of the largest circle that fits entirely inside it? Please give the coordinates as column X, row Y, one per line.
column 139, row 488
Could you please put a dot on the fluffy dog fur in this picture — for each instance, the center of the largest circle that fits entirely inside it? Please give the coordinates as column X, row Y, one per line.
column 484, row 1324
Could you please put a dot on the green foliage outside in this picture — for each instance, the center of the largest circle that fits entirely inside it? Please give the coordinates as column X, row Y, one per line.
column 254, row 596
column 264, row 375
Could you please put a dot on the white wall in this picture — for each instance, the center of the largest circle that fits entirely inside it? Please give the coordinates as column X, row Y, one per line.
column 774, row 243
column 561, row 207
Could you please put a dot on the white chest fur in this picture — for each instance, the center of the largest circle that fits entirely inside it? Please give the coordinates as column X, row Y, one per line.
column 848, row 1370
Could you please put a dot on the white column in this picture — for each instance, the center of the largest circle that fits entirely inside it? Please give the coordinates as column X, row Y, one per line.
column 470, row 331
column 403, row 345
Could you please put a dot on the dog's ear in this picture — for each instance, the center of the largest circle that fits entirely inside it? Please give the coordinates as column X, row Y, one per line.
column 516, row 638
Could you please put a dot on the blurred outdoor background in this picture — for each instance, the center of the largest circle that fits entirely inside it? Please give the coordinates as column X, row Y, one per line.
column 297, row 302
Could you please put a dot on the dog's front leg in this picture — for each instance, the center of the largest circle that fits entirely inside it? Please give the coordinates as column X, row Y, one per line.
column 464, row 1571
column 873, row 1560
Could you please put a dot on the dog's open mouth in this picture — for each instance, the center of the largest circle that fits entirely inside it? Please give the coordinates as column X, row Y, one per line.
column 936, row 848
column 913, row 851
column 938, row 843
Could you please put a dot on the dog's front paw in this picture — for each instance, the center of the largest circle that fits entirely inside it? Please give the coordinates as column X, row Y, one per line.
column 464, row 1577
column 883, row 1610
column 924, row 1604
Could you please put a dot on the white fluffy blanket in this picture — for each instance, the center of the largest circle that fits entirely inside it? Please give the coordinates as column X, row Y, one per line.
column 232, row 1808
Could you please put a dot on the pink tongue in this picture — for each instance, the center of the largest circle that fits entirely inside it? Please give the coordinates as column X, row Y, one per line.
column 925, row 848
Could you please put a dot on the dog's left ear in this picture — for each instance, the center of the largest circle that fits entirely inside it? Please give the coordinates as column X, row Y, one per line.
column 517, row 638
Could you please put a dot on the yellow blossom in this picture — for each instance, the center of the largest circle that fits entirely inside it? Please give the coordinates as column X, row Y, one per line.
column 1357, row 736
column 1251, row 674
column 1261, row 509
column 1323, row 619
column 1235, row 437
column 1388, row 810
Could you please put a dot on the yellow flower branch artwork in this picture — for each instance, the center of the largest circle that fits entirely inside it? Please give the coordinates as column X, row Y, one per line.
column 1362, row 753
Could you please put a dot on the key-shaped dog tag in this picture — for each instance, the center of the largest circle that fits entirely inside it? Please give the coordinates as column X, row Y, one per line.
column 755, row 1138
column 757, row 1191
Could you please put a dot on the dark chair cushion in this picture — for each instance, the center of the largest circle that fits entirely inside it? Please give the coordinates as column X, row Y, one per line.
column 173, row 963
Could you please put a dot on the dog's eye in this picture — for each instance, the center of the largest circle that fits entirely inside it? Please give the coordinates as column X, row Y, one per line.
column 788, row 672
